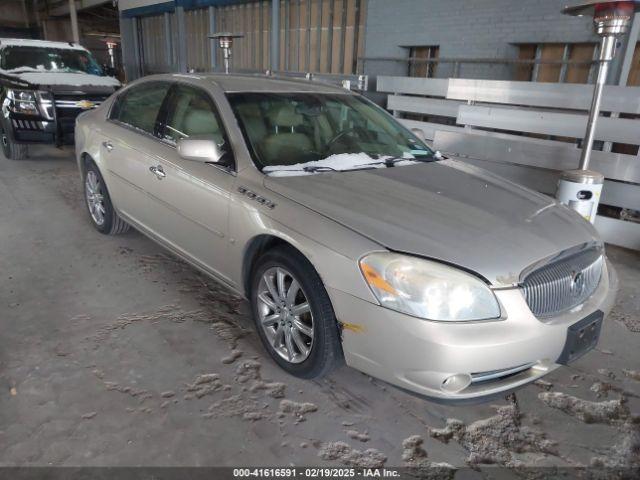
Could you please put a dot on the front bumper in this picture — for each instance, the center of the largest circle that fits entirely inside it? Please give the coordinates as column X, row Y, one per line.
column 499, row 356
column 30, row 129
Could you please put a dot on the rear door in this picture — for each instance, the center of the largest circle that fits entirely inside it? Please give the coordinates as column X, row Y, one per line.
column 190, row 204
column 127, row 149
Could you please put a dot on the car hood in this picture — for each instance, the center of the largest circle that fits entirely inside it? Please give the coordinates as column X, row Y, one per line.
column 62, row 79
column 446, row 210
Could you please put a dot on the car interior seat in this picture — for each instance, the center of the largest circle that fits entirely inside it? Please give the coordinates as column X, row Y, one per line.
column 253, row 121
column 201, row 122
column 284, row 144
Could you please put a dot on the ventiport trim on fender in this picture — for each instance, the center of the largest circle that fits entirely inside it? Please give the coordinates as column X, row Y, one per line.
column 254, row 196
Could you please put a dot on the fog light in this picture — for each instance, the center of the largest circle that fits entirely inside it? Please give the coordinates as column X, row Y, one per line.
column 456, row 383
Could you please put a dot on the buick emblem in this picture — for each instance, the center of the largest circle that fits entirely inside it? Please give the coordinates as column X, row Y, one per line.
column 577, row 284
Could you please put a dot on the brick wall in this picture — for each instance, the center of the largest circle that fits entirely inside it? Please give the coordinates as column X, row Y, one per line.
column 466, row 28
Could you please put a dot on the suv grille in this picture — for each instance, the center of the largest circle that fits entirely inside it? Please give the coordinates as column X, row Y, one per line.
column 562, row 284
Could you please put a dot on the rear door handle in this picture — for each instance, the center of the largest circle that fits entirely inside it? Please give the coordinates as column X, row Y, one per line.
column 158, row 171
column 108, row 146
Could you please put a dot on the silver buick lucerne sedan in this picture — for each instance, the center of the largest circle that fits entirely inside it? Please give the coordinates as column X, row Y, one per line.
column 350, row 237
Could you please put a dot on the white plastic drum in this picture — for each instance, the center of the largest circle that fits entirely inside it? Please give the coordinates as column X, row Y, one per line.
column 581, row 197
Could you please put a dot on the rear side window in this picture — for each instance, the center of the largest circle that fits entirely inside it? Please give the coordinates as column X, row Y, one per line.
column 139, row 106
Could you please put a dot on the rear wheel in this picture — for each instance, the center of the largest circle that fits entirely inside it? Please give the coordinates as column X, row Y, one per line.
column 103, row 216
column 11, row 150
column 293, row 314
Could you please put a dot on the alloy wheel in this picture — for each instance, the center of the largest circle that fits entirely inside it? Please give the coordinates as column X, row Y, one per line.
column 285, row 315
column 95, row 197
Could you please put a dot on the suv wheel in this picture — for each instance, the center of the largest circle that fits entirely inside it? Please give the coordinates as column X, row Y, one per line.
column 103, row 216
column 11, row 150
column 293, row 314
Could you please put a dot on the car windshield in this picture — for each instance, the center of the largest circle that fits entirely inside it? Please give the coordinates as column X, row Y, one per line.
column 304, row 133
column 26, row 59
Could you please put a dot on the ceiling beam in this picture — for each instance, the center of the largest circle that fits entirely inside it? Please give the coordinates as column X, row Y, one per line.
column 63, row 9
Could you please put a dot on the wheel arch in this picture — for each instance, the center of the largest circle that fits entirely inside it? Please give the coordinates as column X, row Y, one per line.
column 255, row 248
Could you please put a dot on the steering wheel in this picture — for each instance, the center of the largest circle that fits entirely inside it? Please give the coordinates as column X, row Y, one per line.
column 337, row 137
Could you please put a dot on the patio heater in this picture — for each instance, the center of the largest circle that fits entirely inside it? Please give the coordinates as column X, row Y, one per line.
column 225, row 42
column 580, row 189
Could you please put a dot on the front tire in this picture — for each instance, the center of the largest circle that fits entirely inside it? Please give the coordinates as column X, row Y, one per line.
column 293, row 314
column 103, row 216
column 12, row 150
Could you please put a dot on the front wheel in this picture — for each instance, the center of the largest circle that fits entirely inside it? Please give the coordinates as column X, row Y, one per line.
column 12, row 150
column 103, row 216
column 293, row 314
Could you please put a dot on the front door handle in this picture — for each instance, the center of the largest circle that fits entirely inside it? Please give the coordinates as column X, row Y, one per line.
column 108, row 146
column 158, row 171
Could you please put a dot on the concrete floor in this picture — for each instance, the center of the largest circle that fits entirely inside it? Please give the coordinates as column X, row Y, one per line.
column 112, row 352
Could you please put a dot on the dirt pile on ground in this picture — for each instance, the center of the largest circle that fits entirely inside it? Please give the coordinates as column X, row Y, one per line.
column 346, row 455
column 495, row 440
column 204, row 384
column 296, row 408
column 626, row 453
column 356, row 435
column 415, row 457
column 589, row 412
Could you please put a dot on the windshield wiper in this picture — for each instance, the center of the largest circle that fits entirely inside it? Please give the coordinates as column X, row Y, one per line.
column 391, row 161
column 324, row 168
column 314, row 169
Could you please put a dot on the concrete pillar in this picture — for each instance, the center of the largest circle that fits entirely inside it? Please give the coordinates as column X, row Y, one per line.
column 74, row 21
column 181, row 39
column 275, row 35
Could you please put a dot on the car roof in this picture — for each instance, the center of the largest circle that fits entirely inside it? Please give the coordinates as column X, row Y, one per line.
column 28, row 42
column 257, row 83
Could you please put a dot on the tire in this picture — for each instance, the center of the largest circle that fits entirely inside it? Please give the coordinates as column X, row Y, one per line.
column 325, row 349
column 101, row 212
column 11, row 150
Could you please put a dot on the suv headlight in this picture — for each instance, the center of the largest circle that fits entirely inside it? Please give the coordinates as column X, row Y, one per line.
column 427, row 289
column 23, row 101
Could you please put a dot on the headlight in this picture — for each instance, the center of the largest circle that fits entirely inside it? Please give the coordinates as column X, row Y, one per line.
column 23, row 101
column 427, row 289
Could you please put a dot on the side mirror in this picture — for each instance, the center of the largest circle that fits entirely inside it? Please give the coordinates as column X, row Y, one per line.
column 418, row 132
column 200, row 149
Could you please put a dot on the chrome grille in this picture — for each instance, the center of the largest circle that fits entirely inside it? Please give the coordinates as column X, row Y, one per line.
column 562, row 284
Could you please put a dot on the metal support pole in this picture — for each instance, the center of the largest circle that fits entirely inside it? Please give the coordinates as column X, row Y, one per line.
column 181, row 39
column 275, row 35
column 632, row 40
column 212, row 30
column 74, row 21
column 138, row 70
column 581, row 189
column 607, row 50
column 167, row 40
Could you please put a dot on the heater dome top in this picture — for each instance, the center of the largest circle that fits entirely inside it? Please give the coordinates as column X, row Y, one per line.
column 226, row 35
column 594, row 8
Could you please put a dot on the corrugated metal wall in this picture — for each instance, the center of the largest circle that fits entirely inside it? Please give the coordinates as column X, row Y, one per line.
column 154, row 57
column 254, row 21
column 324, row 36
